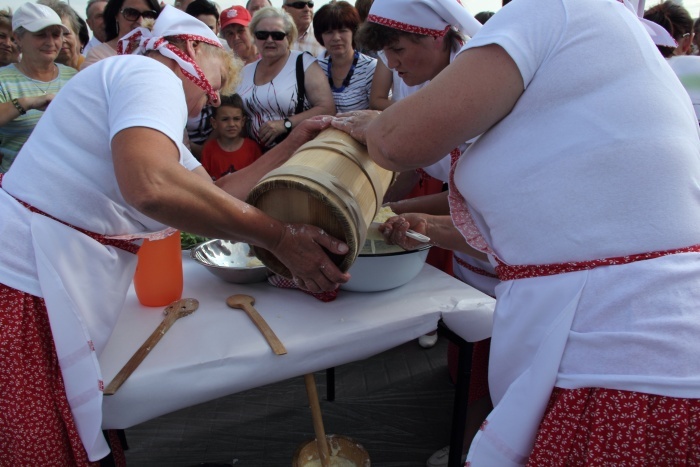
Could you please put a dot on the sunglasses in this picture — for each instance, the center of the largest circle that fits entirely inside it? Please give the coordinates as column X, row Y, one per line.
column 276, row 35
column 132, row 14
column 300, row 5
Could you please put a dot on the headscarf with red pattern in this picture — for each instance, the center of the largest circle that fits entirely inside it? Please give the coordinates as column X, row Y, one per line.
column 173, row 23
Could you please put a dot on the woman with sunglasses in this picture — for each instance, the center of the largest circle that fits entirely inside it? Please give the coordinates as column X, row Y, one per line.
column 121, row 17
column 269, row 86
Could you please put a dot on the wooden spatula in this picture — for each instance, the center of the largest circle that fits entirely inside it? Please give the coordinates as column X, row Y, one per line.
column 245, row 303
column 172, row 312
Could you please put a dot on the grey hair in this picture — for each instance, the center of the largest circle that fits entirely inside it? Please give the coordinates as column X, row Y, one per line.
column 91, row 3
column 64, row 11
column 271, row 12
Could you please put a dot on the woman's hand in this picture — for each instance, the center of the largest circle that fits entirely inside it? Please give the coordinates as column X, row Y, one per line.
column 355, row 123
column 270, row 131
column 301, row 250
column 394, row 230
column 37, row 102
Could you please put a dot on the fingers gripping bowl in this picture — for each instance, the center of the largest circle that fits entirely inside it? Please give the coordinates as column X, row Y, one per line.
column 230, row 261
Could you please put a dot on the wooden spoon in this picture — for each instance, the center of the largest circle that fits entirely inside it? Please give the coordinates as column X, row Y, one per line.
column 172, row 312
column 245, row 303
column 321, row 442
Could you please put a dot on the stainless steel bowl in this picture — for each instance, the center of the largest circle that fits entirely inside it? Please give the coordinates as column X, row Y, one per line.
column 226, row 260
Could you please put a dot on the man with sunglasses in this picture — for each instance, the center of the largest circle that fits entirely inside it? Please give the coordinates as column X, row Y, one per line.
column 302, row 12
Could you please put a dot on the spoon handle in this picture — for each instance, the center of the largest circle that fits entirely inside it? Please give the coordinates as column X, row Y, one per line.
column 265, row 329
column 172, row 314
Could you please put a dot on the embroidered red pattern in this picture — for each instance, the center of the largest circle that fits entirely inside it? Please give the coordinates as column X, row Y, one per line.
column 407, row 27
column 508, row 272
column 461, row 217
column 473, row 269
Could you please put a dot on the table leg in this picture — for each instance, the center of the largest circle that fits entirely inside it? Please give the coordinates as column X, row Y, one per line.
column 458, row 450
column 330, row 384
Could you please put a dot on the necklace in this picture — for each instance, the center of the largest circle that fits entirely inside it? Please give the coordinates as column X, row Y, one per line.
column 348, row 77
column 34, row 81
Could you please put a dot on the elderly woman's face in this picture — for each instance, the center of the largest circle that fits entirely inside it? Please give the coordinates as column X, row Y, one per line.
column 71, row 45
column 41, row 46
column 214, row 69
column 130, row 15
column 238, row 38
column 271, row 38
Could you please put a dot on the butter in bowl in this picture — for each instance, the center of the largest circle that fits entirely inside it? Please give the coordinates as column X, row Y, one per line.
column 230, row 261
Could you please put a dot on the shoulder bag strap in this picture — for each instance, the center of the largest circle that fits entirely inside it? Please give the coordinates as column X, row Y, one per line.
column 301, row 94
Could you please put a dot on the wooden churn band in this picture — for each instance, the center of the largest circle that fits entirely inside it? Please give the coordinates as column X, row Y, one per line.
column 329, row 182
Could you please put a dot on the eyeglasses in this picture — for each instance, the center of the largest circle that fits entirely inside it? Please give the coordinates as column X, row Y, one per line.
column 276, row 35
column 132, row 14
column 300, row 5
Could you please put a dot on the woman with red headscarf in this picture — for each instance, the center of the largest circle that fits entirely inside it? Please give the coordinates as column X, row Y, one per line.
column 71, row 206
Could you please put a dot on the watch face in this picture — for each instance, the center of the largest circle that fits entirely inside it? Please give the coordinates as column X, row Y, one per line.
column 287, row 124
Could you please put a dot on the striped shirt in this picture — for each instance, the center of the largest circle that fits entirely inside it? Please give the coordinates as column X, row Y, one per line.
column 15, row 85
column 356, row 95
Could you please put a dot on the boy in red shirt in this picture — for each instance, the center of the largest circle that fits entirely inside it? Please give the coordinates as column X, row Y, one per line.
column 230, row 150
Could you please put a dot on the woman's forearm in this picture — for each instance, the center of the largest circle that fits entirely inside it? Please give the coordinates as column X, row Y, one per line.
column 435, row 204
column 444, row 234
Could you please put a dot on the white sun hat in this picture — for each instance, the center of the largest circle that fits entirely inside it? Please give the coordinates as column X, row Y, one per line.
column 34, row 18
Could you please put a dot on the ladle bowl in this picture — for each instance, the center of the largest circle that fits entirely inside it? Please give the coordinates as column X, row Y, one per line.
column 350, row 453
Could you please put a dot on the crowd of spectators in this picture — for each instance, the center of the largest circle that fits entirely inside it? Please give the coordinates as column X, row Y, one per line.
column 296, row 64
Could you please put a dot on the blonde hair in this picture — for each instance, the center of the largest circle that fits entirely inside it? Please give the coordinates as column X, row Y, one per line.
column 232, row 64
column 232, row 68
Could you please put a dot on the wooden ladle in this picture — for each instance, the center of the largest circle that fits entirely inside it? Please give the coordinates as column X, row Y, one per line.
column 172, row 312
column 321, row 442
column 245, row 303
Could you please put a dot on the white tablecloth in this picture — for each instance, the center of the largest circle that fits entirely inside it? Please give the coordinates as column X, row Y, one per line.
column 218, row 351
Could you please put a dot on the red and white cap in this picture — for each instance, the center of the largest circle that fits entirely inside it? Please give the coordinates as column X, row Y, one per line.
column 235, row 15
column 173, row 22
column 426, row 17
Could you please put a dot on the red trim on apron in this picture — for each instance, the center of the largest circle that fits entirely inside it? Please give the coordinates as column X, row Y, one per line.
column 473, row 269
column 121, row 244
column 507, row 272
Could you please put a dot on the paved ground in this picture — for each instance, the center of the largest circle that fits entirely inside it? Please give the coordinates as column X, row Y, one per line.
column 397, row 404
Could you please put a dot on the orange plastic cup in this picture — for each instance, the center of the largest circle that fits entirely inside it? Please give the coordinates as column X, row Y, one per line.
column 158, row 277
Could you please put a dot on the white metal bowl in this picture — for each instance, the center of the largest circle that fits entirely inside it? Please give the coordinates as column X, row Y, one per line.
column 388, row 268
column 227, row 260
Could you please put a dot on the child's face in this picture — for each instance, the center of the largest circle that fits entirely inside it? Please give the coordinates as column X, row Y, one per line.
column 228, row 122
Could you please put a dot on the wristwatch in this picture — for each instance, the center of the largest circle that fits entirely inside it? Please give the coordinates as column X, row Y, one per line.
column 287, row 124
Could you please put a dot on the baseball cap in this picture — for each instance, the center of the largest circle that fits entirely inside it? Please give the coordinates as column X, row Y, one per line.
column 234, row 15
column 34, row 17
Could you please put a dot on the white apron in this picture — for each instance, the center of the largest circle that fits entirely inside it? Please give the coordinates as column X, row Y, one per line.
column 84, row 284
column 521, row 382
